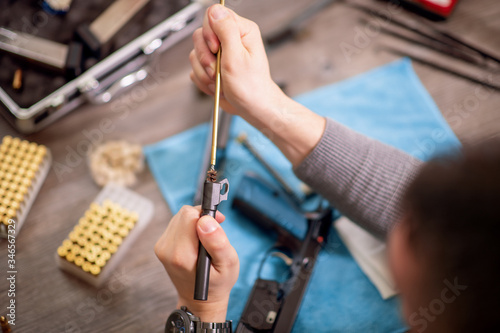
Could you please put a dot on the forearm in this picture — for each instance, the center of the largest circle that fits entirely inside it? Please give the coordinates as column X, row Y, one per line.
column 363, row 178
column 293, row 128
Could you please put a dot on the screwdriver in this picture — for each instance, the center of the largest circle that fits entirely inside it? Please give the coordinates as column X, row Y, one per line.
column 213, row 193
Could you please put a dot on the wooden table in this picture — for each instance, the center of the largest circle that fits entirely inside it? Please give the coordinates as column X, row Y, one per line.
column 139, row 296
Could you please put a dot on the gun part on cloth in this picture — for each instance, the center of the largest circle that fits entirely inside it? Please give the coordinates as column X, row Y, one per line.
column 243, row 140
column 273, row 305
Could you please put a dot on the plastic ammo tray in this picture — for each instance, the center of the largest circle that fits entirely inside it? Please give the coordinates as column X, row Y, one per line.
column 48, row 93
column 104, row 233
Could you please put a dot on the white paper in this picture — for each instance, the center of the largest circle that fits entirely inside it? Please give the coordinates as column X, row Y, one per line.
column 370, row 253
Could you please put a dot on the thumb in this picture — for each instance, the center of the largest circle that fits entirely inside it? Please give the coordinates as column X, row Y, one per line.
column 215, row 241
column 225, row 25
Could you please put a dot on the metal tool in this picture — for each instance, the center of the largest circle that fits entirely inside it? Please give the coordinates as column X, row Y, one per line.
column 216, row 105
column 441, row 68
column 67, row 58
column 213, row 193
column 222, row 140
column 445, row 38
column 98, row 34
column 431, row 44
column 242, row 138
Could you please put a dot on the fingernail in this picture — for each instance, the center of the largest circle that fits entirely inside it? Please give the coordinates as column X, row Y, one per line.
column 208, row 225
column 212, row 46
column 210, row 71
column 218, row 13
column 211, row 87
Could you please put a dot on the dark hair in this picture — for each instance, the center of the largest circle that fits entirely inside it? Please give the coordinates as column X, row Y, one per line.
column 453, row 220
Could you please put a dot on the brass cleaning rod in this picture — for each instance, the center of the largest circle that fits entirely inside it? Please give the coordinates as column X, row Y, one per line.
column 215, row 124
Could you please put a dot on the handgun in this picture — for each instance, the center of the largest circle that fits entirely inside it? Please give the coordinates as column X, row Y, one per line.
column 273, row 305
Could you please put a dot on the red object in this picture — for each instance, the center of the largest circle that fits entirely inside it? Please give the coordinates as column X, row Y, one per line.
column 440, row 7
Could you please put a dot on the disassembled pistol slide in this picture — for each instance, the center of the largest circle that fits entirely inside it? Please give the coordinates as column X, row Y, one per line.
column 213, row 193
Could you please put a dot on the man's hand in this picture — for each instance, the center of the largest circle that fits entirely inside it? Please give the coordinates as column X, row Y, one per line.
column 177, row 249
column 247, row 86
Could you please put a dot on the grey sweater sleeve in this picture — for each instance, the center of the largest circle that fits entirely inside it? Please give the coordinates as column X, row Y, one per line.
column 363, row 178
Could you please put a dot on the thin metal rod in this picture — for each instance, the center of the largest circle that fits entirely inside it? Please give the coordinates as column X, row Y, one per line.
column 215, row 124
column 441, row 68
column 242, row 138
column 414, row 26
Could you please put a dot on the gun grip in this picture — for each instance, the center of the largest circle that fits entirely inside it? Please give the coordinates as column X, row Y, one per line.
column 203, row 268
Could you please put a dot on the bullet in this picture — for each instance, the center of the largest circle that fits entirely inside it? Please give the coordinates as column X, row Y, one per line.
column 134, row 217
column 78, row 229
column 41, row 151
column 70, row 257
column 87, row 266
column 11, row 212
column 91, row 257
column 106, row 235
column 7, row 177
column 79, row 261
column 4, row 324
column 100, row 262
column 84, row 222
column 32, row 148
column 19, row 196
column 30, row 174
column 26, row 182
column 13, row 186
column 129, row 225
column 73, row 236
column 95, row 239
column 112, row 248
column 7, row 140
column 77, row 250
column 95, row 270
column 14, row 205
column 105, row 255
column 81, row 241
column 15, row 142
column 62, row 251
column 117, row 240
column 67, row 243
column 123, row 232
column 89, row 215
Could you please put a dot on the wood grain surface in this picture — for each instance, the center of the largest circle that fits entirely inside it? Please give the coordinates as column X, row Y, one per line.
column 140, row 296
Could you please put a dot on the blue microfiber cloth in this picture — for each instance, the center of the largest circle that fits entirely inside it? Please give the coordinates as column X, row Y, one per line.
column 388, row 103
